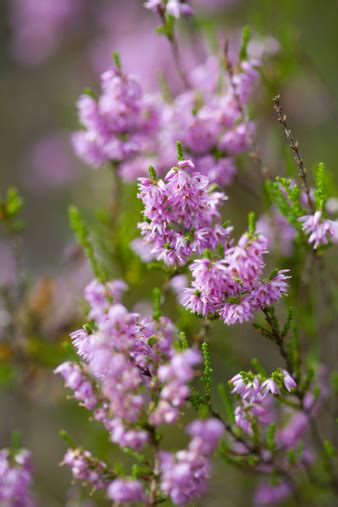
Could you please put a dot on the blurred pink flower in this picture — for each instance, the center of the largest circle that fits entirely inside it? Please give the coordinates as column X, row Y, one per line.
column 50, row 163
column 38, row 26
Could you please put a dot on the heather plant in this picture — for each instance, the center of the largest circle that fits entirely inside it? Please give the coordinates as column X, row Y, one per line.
column 137, row 375
column 172, row 280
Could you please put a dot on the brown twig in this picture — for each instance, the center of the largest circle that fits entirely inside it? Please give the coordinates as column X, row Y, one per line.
column 282, row 118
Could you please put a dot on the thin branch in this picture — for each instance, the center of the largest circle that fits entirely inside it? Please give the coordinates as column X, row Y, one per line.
column 255, row 152
column 153, row 492
column 256, row 451
column 329, row 467
column 279, row 340
column 175, row 51
column 282, row 118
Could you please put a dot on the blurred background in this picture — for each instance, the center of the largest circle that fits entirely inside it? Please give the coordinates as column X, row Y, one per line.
column 50, row 51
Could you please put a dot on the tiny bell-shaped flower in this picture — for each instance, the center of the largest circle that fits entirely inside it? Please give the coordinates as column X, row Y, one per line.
column 289, row 383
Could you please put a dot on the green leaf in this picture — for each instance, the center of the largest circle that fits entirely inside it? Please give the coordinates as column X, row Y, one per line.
column 273, row 274
column 69, row 441
column 14, row 202
column 207, row 254
column 273, row 317
column 81, row 232
column 292, row 456
column 117, row 60
column 152, row 173
column 206, row 378
column 227, row 402
column 157, row 296
column 258, row 367
column 152, row 340
column 271, row 437
column 196, row 399
column 221, row 251
column 183, row 341
column 134, row 454
column 89, row 92
column 285, row 195
column 263, row 331
column 289, row 319
column 9, row 211
column 88, row 328
column 321, row 187
column 15, row 440
column 329, row 449
column 243, row 53
column 252, row 223
column 168, row 27
column 180, row 155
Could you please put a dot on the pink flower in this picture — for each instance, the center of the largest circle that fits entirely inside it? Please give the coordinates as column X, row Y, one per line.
column 289, row 383
column 320, row 231
column 16, row 478
column 181, row 216
column 236, row 313
column 184, row 474
column 126, row 491
column 268, row 293
column 268, row 494
column 270, row 385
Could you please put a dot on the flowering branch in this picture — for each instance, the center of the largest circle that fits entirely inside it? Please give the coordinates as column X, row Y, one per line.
column 307, row 409
column 233, row 80
column 282, row 118
column 168, row 29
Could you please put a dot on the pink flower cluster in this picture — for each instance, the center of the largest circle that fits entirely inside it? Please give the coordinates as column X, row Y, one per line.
column 78, row 380
column 320, row 231
column 292, row 434
column 118, row 125
column 254, row 395
column 15, row 478
column 210, row 119
column 140, row 380
column 127, row 127
column 86, row 468
column 257, row 408
column 127, row 361
column 174, row 378
column 180, row 212
column 232, row 287
column 184, row 474
column 126, row 491
column 99, row 296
